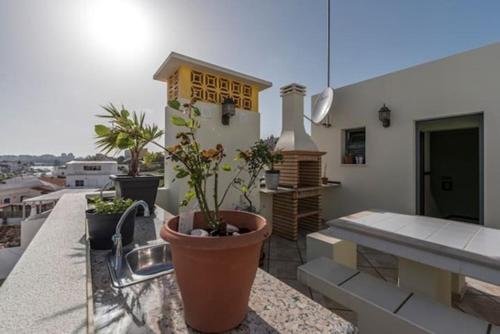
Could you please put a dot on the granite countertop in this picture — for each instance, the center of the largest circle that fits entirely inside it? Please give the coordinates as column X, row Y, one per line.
column 155, row 306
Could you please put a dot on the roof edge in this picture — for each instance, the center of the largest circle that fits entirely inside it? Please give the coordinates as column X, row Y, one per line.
column 174, row 56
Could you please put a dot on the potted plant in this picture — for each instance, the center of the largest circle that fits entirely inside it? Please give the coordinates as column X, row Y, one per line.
column 128, row 132
column 253, row 162
column 324, row 178
column 348, row 159
column 215, row 273
column 273, row 175
column 102, row 220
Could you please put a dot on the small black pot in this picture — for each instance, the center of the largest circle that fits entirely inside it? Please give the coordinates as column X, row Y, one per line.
column 137, row 188
column 103, row 226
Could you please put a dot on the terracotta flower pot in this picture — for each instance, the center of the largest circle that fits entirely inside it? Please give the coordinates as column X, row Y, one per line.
column 215, row 274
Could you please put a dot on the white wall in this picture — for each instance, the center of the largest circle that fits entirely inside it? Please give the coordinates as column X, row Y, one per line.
column 242, row 131
column 89, row 181
column 458, row 85
column 10, row 256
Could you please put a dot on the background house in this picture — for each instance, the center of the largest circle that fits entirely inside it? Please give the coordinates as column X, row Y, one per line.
column 89, row 174
column 13, row 191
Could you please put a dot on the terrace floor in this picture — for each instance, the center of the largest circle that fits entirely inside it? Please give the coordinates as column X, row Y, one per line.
column 284, row 256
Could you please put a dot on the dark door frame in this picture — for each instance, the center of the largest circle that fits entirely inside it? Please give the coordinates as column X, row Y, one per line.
column 419, row 161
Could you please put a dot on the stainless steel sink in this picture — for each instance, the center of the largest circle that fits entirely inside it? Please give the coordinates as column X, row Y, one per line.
column 141, row 264
column 147, row 261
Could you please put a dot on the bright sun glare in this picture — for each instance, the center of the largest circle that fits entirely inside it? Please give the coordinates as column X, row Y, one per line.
column 118, row 27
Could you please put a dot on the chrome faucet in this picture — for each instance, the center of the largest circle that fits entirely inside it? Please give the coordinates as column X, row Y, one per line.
column 117, row 251
column 106, row 186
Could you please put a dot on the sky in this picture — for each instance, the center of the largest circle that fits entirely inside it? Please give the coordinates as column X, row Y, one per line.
column 60, row 60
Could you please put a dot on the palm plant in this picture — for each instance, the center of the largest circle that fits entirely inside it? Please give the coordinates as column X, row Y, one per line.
column 125, row 132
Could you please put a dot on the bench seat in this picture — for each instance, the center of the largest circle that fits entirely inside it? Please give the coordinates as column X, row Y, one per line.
column 383, row 307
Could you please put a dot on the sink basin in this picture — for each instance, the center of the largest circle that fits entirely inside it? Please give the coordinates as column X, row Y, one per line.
column 141, row 264
column 150, row 260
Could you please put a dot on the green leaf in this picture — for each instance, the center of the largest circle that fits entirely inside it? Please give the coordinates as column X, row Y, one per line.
column 174, row 104
column 244, row 189
column 125, row 113
column 196, row 111
column 123, row 141
column 190, row 123
column 181, row 174
column 226, row 167
column 189, row 195
column 102, row 130
column 178, row 121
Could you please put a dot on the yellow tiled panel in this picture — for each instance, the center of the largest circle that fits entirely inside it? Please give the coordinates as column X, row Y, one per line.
column 212, row 88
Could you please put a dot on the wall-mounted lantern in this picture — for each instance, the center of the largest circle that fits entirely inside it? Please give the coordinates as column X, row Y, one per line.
column 384, row 115
column 227, row 110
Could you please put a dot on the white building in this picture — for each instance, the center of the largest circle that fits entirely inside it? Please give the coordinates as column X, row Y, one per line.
column 59, row 171
column 89, row 174
column 15, row 190
column 440, row 155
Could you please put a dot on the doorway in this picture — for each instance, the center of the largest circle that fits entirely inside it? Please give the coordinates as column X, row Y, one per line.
column 449, row 168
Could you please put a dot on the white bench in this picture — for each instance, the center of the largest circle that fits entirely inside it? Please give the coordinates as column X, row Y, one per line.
column 324, row 243
column 382, row 307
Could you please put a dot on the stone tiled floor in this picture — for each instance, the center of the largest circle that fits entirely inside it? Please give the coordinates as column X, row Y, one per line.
column 284, row 256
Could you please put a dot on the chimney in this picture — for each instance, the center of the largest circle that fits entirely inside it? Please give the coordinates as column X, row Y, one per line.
column 293, row 134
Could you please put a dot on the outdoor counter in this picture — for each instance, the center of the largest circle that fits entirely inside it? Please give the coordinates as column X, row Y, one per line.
column 155, row 306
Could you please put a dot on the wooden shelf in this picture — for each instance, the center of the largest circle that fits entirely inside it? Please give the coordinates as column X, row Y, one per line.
column 307, row 213
column 281, row 190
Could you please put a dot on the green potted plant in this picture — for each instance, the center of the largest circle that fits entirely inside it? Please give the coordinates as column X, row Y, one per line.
column 253, row 162
column 272, row 175
column 127, row 131
column 102, row 219
column 215, row 273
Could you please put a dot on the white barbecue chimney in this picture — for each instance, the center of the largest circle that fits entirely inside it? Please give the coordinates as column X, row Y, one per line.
column 293, row 134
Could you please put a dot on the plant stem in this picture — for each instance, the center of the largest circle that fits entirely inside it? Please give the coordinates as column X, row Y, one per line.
column 229, row 187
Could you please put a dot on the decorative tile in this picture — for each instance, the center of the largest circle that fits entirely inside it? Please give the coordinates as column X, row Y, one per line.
column 224, row 85
column 222, row 97
column 235, row 87
column 215, row 89
column 211, row 96
column 196, row 78
column 173, row 86
column 237, row 101
column 210, row 81
column 247, row 90
column 247, row 104
column 197, row 92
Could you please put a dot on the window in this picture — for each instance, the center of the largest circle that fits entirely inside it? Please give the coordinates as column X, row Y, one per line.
column 354, row 147
column 91, row 167
column 79, row 183
column 6, row 201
